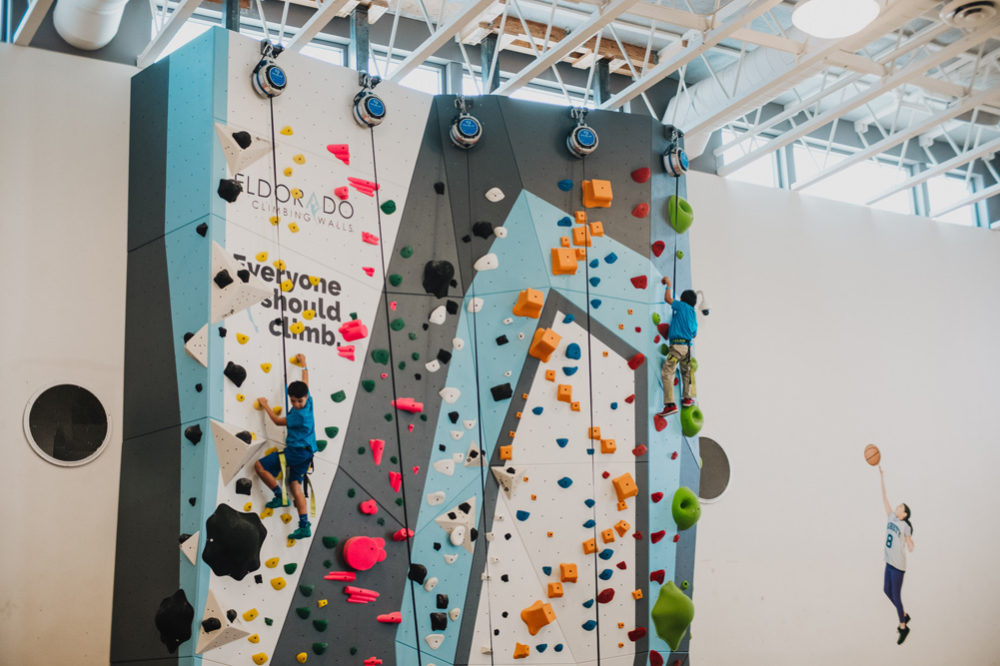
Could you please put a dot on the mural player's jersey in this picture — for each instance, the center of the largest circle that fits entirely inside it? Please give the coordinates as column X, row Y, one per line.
column 895, row 543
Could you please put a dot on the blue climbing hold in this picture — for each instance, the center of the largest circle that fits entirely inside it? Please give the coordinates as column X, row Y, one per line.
column 558, row 647
column 573, row 351
column 595, row 303
column 589, row 503
column 522, row 515
column 590, row 452
column 606, row 554
column 539, row 410
column 589, row 625
column 570, row 370
column 542, row 647
column 605, row 574
column 594, row 281
column 570, row 317
column 566, row 185
column 565, row 222
column 565, row 482
column 547, row 571
column 614, row 405
column 588, row 603
column 562, row 442
column 595, row 263
column 590, row 523
column 611, row 258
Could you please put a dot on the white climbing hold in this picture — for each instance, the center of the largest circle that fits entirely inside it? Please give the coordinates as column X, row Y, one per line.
column 438, row 315
column 469, row 423
column 458, row 343
column 197, row 346
column 507, row 478
column 434, row 640
column 457, row 434
column 190, row 548
column 487, row 262
column 475, row 305
column 508, row 321
column 430, row 583
column 446, row 466
column 435, row 498
column 508, row 373
column 500, row 232
column 494, row 194
column 520, row 336
column 450, row 558
column 433, row 365
column 454, row 614
column 457, row 536
column 458, row 457
column 450, row 394
column 474, row 457
column 489, row 536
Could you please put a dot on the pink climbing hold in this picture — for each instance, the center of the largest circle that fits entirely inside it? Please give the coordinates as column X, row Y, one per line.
column 416, row 469
column 346, row 351
column 641, row 175
column 340, row 576
column 392, row 305
column 372, row 661
column 341, row 151
column 639, row 281
column 656, row 536
column 361, row 553
column 363, row 186
column 378, row 447
column 409, row 427
column 396, row 481
column 659, row 423
column 353, row 330
column 369, row 507
column 402, row 534
column 384, row 375
column 369, row 270
column 394, row 617
column 360, row 595
column 408, row 405
column 641, row 210
column 341, row 192
column 658, row 248
column 371, row 239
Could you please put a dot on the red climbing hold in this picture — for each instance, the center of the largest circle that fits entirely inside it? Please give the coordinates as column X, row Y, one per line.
column 340, row 576
column 656, row 339
column 656, row 497
column 371, row 239
column 372, row 661
column 658, row 248
column 655, row 659
column 402, row 534
column 341, row 151
column 378, row 447
column 362, row 185
column 622, row 565
column 663, row 328
column 369, row 270
column 416, row 469
column 640, row 450
column 637, row 536
column 346, row 351
column 673, row 456
column 639, row 281
column 630, row 399
column 636, row 360
column 605, row 475
column 353, row 330
column 636, row 634
column 361, row 553
column 640, row 211
column 641, row 175
column 656, row 536
column 360, row 595
column 604, row 596
column 368, row 507
column 677, row 537
column 659, row 423
column 390, row 618
column 408, row 405
column 657, row 576
column 396, row 481
column 342, row 192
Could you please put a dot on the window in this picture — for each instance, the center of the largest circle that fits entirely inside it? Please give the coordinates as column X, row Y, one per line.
column 763, row 171
column 942, row 191
column 855, row 184
column 425, row 79
column 66, row 425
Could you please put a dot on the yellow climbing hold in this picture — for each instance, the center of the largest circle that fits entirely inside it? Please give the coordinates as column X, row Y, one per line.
column 242, row 339
column 308, row 314
column 260, row 658
column 254, row 638
column 287, row 130
column 293, row 227
column 301, row 657
column 262, row 256
column 313, row 280
column 240, row 397
column 297, row 327
column 287, row 171
column 271, row 562
column 290, row 542
column 275, row 219
column 267, row 512
column 299, row 159
column 295, row 360
column 277, row 410
column 248, row 506
column 280, row 264
column 278, row 583
column 321, row 603
column 286, row 285
column 296, row 193
column 250, row 615
column 266, row 367
column 256, row 403
column 286, row 518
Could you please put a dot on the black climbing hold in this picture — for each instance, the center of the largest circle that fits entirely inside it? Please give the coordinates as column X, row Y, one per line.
column 502, row 392
column 482, row 229
column 473, row 534
column 184, row 537
column 467, row 238
column 453, row 283
column 439, row 621
column 242, row 139
column 465, row 507
column 502, row 340
column 505, row 614
column 173, row 620
column 229, row 189
column 223, row 279
column 188, row 336
column 198, row 387
column 237, row 374
column 451, row 307
column 418, row 573
column 507, row 536
column 222, row 331
column 193, row 433
column 444, row 356
column 258, row 579
column 192, row 500
column 202, row 229
column 437, row 276
column 211, row 624
column 441, row 447
column 505, row 578
column 245, row 436
column 244, row 486
column 418, row 377
column 243, row 274
column 442, row 601
column 453, row 417
column 231, row 615
column 437, row 546
column 439, row 187
column 232, row 542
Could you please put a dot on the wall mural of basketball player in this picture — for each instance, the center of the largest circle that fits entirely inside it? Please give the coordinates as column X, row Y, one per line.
column 898, row 540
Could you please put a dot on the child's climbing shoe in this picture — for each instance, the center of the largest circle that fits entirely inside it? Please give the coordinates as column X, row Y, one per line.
column 903, row 633
column 687, row 402
column 276, row 503
column 303, row 532
column 668, row 409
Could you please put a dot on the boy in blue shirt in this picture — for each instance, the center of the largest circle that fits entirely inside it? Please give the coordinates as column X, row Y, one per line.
column 683, row 329
column 300, row 444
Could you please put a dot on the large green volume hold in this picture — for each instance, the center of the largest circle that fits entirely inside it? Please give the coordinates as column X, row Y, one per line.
column 680, row 213
column 672, row 614
column 685, row 508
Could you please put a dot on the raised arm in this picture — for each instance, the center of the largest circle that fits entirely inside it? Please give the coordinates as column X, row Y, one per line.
column 885, row 498
column 667, row 296
column 305, row 370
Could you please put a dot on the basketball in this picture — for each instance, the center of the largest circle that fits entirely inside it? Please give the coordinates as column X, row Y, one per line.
column 872, row 455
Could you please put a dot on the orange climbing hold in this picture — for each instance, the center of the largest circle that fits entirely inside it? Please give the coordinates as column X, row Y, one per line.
column 555, row 590
column 564, row 241
column 625, row 487
column 567, row 572
column 589, row 547
column 608, row 446
column 564, row 393
column 581, row 236
column 622, row 527
column 537, row 615
column 506, row 452
column 544, row 343
column 597, row 193
column 550, row 375
column 594, row 432
column 608, row 536
column 596, row 229
column 521, row 650
column 529, row 303
column 580, row 217
column 563, row 261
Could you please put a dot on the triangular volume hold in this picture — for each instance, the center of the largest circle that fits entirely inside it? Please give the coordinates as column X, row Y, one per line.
column 233, row 449
column 239, row 158
column 222, row 630
column 190, row 547
column 233, row 287
column 460, row 520
column 507, row 478
column 197, row 346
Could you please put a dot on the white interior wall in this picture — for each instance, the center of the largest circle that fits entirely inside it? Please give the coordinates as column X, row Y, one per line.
column 64, row 185
column 833, row 326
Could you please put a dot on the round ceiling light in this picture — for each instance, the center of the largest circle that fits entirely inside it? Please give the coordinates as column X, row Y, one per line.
column 834, row 19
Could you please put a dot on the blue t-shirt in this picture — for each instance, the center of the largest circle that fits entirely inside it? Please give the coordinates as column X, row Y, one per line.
column 683, row 321
column 301, row 427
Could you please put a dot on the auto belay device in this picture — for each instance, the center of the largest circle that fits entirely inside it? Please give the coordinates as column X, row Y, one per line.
column 369, row 109
column 268, row 79
column 582, row 139
column 675, row 160
column 466, row 130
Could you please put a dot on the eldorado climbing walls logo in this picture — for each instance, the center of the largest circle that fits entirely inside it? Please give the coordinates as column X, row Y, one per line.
column 262, row 198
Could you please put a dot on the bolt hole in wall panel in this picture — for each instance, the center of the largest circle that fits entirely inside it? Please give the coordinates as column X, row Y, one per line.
column 481, row 333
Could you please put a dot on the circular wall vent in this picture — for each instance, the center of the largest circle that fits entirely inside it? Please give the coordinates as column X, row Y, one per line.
column 968, row 13
column 66, row 425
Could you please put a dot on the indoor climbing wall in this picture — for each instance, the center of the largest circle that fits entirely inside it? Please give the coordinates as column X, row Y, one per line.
column 483, row 331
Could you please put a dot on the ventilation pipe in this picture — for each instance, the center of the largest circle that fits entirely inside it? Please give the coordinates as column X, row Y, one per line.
column 88, row 24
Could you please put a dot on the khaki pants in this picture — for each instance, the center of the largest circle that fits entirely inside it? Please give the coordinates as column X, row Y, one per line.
column 677, row 354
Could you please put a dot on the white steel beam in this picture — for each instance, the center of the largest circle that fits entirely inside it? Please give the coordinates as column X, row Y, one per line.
column 905, row 75
column 181, row 13
column 468, row 13
column 597, row 21
column 968, row 201
column 938, row 169
column 740, row 13
column 324, row 13
column 28, row 26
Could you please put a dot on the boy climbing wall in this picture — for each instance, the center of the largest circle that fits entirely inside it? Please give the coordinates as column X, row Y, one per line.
column 683, row 329
column 300, row 445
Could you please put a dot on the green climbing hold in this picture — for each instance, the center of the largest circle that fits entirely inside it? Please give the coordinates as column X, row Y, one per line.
column 394, row 460
column 406, row 252
column 694, row 365
column 691, row 420
column 389, row 207
column 368, row 385
column 353, row 315
column 353, row 650
column 380, row 521
column 380, row 356
column 664, row 349
column 656, row 317
column 395, row 279
column 339, row 396
column 397, row 324
column 412, row 336
column 672, row 614
column 290, row 568
column 321, row 625
column 388, row 417
column 423, row 417
column 331, row 431
column 415, row 356
column 351, row 492
column 685, row 585
column 361, row 450
column 402, row 365
column 680, row 212
column 321, row 445
column 306, row 590
column 268, row 621
column 685, row 508
column 330, row 541
column 303, row 612
column 399, row 501
column 680, row 254
column 320, row 648
column 328, row 564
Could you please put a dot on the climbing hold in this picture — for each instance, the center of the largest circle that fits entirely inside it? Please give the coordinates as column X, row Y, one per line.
column 679, row 254
column 341, row 151
column 639, row 281
column 625, row 486
column 260, row 658
column 564, row 261
column 543, row 343
column 691, row 420
column 659, row 423
column 606, row 595
column 494, row 195
column 537, row 615
column 597, row 193
column 233, row 542
column 361, row 553
column 565, row 482
column 173, row 620
column 680, row 213
column 229, row 189
column 529, row 303
column 565, row 185
column 502, row 392
column 388, row 207
column 437, row 277
column 339, row 396
column 672, row 614
column 658, row 247
column 193, row 433
column 417, row 573
column 641, row 175
column 390, row 618
column 589, row 625
column 369, row 507
column 487, row 262
column 641, row 210
column 278, row 583
column 235, row 373
column 637, row 359
column 685, row 508
column 301, row 657
column 522, row 515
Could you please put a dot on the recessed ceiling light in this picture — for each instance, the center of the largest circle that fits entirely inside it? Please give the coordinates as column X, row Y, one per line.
column 833, row 19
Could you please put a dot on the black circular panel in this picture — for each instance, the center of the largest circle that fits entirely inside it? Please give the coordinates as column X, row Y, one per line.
column 715, row 472
column 67, row 424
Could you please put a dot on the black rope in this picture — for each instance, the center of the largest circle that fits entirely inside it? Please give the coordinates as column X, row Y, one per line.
column 677, row 203
column 281, row 298
column 395, row 396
